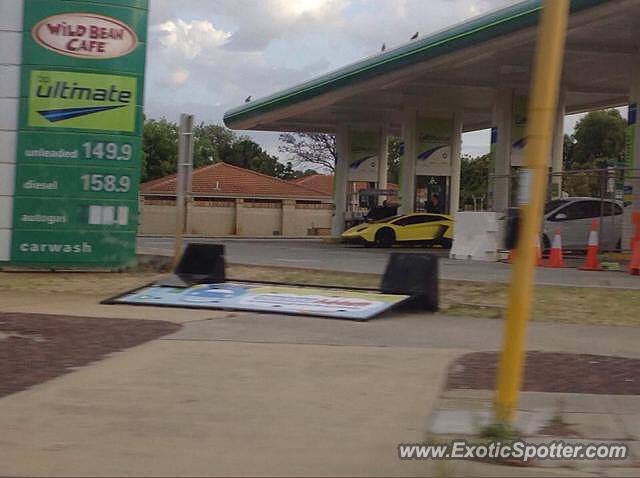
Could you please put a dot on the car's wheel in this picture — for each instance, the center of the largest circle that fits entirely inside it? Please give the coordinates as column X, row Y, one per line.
column 445, row 242
column 385, row 237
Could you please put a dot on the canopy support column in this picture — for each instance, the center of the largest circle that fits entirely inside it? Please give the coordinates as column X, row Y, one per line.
column 557, row 153
column 383, row 161
column 632, row 177
column 340, row 179
column 456, row 163
column 408, row 166
column 502, row 118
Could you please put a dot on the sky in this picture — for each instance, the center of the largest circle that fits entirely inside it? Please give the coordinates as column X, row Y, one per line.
column 207, row 56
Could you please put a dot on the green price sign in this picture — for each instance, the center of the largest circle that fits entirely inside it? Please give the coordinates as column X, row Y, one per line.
column 65, row 248
column 76, row 182
column 63, row 214
column 79, row 148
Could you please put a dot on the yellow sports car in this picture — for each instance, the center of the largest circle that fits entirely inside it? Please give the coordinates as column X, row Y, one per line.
column 424, row 228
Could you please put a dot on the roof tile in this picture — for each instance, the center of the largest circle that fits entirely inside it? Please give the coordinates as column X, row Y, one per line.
column 324, row 183
column 228, row 180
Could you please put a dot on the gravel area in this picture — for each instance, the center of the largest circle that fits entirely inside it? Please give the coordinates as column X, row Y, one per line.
column 552, row 372
column 35, row 348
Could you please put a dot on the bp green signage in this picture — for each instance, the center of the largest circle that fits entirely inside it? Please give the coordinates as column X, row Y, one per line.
column 434, row 146
column 363, row 157
column 79, row 140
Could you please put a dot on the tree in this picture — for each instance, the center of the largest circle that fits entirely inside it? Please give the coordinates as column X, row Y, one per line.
column 242, row 153
column 159, row 148
column 598, row 141
column 249, row 155
column 393, row 160
column 209, row 141
column 320, row 149
column 212, row 144
column 474, row 177
column 310, row 149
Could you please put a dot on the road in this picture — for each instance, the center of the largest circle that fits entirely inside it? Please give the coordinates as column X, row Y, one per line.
column 315, row 254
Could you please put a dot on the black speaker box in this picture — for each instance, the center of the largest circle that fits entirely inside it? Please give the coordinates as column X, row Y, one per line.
column 415, row 275
column 200, row 263
column 512, row 228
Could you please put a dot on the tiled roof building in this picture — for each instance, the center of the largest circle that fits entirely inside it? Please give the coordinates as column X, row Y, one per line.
column 225, row 180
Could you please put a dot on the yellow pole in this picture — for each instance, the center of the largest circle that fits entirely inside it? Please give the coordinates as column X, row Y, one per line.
column 542, row 111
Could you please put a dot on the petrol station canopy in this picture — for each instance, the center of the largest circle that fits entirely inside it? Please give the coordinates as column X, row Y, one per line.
column 460, row 69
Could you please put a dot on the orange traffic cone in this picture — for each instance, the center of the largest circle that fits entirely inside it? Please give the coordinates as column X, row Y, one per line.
column 634, row 267
column 592, row 263
column 539, row 262
column 555, row 258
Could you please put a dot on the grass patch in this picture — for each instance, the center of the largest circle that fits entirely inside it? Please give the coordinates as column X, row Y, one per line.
column 83, row 283
column 572, row 305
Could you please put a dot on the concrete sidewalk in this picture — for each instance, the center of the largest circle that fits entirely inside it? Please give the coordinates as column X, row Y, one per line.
column 547, row 417
column 246, row 394
column 176, row 408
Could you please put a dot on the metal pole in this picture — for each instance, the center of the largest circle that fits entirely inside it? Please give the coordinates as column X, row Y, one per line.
column 183, row 180
column 383, row 162
column 542, row 111
column 341, row 195
column 611, row 189
column 603, row 185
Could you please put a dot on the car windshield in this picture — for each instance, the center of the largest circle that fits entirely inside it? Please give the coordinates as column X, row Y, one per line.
column 555, row 204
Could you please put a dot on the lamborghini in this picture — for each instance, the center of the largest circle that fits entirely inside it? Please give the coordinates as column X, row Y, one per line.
column 418, row 228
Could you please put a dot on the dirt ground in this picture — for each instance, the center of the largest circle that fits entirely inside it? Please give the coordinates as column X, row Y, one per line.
column 35, row 348
column 552, row 372
column 596, row 306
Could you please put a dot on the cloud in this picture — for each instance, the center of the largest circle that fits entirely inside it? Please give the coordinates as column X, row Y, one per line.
column 206, row 56
column 277, row 19
column 190, row 38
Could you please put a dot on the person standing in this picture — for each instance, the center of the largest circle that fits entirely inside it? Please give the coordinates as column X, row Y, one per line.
column 434, row 206
column 381, row 212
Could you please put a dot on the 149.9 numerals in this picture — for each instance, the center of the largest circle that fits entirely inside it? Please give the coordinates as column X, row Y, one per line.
column 110, row 151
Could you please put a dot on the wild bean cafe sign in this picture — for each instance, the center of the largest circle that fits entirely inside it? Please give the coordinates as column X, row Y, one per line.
column 85, row 35
column 78, row 134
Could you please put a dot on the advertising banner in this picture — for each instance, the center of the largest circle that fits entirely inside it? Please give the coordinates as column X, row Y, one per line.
column 363, row 158
column 342, row 304
column 434, row 146
column 80, row 124
column 519, row 130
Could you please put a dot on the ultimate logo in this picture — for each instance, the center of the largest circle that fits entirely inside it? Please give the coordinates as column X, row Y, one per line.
column 60, row 99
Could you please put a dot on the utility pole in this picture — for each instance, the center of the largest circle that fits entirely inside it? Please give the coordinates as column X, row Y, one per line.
column 183, row 181
column 549, row 56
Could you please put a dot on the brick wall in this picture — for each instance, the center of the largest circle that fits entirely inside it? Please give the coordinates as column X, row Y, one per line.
column 228, row 217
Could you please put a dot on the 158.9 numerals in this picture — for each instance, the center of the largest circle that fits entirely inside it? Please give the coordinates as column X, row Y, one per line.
column 105, row 183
